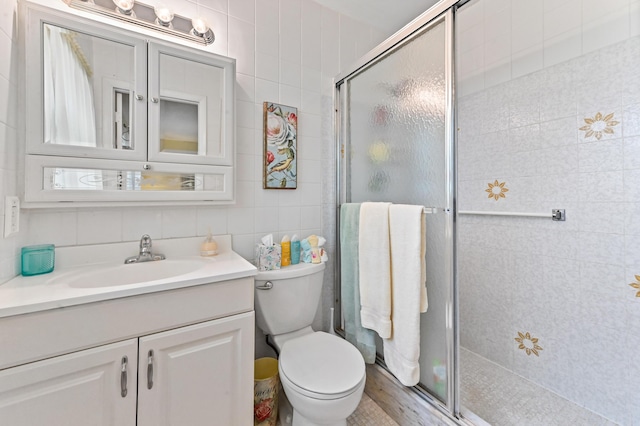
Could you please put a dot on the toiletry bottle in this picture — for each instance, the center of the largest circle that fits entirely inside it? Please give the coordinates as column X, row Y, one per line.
column 286, row 251
column 209, row 247
column 315, row 252
column 295, row 250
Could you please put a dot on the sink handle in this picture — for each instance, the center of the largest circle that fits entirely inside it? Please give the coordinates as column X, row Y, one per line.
column 150, row 370
column 123, row 377
column 145, row 244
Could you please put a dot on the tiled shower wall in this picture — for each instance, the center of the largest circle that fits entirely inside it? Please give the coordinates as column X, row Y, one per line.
column 287, row 51
column 549, row 117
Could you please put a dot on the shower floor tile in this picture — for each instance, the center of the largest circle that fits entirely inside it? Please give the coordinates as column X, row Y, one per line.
column 369, row 413
column 503, row 398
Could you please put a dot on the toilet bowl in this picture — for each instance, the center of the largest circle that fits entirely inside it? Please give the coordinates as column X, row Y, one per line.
column 322, row 375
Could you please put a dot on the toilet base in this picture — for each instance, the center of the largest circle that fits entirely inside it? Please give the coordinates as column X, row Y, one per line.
column 317, row 412
column 300, row 420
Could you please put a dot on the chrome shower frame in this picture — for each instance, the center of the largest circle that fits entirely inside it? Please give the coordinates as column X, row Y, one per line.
column 443, row 11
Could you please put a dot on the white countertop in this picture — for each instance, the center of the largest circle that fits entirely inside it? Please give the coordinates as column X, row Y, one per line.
column 23, row 295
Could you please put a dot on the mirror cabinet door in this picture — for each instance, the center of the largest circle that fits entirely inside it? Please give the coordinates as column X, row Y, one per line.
column 91, row 90
column 188, row 122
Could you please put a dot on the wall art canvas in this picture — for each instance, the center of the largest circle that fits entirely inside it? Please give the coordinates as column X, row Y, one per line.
column 280, row 146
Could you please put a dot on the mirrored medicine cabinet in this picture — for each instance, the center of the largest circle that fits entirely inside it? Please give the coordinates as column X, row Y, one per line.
column 112, row 116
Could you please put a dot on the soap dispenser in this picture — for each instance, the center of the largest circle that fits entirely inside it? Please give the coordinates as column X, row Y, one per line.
column 209, row 247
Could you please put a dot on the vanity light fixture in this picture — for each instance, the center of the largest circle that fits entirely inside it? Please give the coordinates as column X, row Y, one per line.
column 125, row 7
column 201, row 29
column 159, row 18
column 164, row 16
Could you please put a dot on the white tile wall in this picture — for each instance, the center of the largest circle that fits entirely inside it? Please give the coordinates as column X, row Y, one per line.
column 519, row 114
column 10, row 246
column 287, row 51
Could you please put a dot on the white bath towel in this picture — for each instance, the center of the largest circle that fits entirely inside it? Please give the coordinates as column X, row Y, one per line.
column 409, row 294
column 374, row 267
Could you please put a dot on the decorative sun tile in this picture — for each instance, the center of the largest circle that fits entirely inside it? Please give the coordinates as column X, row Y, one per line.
column 636, row 285
column 528, row 344
column 599, row 125
column 496, row 190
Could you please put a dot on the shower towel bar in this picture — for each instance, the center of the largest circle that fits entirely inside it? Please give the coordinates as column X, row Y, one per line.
column 556, row 214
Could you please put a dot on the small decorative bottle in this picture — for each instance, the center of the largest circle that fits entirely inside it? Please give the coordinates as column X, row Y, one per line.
column 315, row 252
column 209, row 247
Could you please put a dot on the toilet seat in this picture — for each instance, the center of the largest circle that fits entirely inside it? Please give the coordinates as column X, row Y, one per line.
column 321, row 366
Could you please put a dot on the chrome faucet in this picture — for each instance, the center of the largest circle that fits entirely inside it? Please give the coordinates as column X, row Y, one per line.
column 145, row 255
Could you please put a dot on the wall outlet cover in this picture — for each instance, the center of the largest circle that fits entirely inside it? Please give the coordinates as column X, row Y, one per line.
column 11, row 215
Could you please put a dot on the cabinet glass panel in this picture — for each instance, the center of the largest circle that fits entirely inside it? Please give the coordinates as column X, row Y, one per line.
column 74, row 179
column 88, row 84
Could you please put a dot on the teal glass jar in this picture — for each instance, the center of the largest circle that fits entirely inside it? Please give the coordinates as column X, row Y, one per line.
column 38, row 260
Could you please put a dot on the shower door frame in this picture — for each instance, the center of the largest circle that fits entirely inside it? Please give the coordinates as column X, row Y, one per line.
column 442, row 12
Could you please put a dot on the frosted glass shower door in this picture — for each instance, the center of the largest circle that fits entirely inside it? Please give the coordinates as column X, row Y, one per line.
column 394, row 123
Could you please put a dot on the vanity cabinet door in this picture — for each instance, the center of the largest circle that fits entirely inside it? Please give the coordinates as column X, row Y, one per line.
column 198, row 375
column 78, row 389
column 191, row 98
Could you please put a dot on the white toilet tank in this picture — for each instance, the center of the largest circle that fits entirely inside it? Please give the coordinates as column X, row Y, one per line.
column 292, row 300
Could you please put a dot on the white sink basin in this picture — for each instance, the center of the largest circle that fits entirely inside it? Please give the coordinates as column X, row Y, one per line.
column 134, row 273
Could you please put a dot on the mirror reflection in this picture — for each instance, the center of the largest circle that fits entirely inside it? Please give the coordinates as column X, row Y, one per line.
column 178, row 127
column 88, row 83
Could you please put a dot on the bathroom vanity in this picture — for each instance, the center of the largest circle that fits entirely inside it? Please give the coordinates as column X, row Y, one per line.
column 170, row 351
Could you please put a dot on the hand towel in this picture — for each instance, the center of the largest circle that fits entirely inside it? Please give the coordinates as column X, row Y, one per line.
column 409, row 295
column 375, row 268
column 362, row 338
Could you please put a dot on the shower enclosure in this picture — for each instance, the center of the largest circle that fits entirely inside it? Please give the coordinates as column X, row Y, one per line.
column 530, row 320
column 397, row 146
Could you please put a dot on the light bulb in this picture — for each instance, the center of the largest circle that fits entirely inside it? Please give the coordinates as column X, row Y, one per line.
column 124, row 6
column 201, row 29
column 164, row 15
column 200, row 26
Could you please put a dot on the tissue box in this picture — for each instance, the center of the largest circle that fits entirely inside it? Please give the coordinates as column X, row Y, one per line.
column 268, row 257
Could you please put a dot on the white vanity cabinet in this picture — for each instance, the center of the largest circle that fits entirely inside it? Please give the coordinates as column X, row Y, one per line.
column 79, row 389
column 114, row 116
column 194, row 375
column 180, row 357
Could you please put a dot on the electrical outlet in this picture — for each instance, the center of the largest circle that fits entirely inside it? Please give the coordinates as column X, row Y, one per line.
column 11, row 215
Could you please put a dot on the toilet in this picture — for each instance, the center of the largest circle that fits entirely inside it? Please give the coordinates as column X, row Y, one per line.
column 322, row 375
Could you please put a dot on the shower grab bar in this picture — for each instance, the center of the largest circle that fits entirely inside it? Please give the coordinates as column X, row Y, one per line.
column 556, row 214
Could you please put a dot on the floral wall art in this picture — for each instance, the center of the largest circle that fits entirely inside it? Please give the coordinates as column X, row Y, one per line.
column 280, row 146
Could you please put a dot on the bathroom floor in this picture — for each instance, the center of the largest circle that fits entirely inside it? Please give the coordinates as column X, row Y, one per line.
column 500, row 397
column 369, row 413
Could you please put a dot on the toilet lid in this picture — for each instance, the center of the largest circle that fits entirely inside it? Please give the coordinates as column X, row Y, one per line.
column 322, row 364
